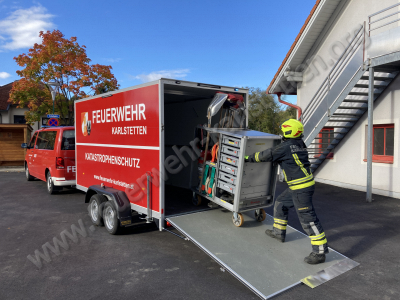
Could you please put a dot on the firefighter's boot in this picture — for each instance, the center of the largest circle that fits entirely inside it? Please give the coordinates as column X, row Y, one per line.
column 315, row 258
column 272, row 234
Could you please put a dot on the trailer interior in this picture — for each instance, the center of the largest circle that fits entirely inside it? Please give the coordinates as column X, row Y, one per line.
column 185, row 109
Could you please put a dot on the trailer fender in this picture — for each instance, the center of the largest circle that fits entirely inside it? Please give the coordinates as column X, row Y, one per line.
column 119, row 198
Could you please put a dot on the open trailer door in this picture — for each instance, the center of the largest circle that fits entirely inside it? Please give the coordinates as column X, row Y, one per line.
column 264, row 265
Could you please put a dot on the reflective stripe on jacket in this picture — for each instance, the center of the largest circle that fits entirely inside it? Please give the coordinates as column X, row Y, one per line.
column 292, row 156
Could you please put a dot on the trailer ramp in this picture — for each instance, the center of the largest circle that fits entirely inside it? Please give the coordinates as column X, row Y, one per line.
column 264, row 265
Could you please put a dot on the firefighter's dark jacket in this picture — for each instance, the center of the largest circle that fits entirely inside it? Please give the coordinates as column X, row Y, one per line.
column 292, row 156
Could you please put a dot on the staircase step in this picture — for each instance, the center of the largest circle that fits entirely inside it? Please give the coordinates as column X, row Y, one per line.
column 348, row 114
column 352, row 107
column 366, row 86
column 386, row 69
column 362, row 93
column 326, row 144
column 320, row 151
column 340, row 120
column 341, row 126
column 378, row 78
column 322, row 144
column 333, row 134
column 332, row 137
column 355, row 101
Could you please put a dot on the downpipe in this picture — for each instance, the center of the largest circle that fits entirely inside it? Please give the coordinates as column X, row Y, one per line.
column 299, row 111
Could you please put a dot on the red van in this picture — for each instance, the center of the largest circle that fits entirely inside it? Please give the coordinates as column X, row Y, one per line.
column 50, row 156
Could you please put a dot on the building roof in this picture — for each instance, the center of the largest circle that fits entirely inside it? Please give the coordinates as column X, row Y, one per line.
column 15, row 126
column 315, row 23
column 5, row 96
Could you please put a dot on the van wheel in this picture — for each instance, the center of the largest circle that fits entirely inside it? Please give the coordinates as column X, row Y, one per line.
column 29, row 177
column 111, row 222
column 96, row 209
column 50, row 185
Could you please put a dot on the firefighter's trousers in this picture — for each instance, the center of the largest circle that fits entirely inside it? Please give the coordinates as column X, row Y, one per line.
column 302, row 201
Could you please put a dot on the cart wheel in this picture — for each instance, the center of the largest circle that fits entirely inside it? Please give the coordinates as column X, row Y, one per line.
column 239, row 221
column 260, row 216
column 196, row 200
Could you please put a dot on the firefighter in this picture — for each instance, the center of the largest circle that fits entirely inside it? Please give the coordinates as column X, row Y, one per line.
column 292, row 156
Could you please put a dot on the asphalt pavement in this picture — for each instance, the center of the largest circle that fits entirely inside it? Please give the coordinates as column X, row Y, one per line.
column 144, row 263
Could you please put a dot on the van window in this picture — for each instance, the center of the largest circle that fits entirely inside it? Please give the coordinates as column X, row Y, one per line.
column 46, row 140
column 68, row 140
column 33, row 140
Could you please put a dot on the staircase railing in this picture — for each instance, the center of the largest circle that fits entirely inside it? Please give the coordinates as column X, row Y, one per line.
column 334, row 74
column 382, row 18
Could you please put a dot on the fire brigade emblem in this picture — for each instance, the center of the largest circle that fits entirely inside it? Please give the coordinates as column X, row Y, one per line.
column 86, row 124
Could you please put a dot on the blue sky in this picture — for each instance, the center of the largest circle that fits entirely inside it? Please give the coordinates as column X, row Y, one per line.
column 233, row 43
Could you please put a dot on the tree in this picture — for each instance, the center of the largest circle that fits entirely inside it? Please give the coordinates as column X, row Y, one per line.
column 288, row 113
column 66, row 62
column 266, row 114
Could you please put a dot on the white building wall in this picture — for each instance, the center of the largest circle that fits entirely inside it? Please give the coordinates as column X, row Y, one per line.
column 7, row 117
column 330, row 46
column 4, row 117
column 13, row 111
column 348, row 168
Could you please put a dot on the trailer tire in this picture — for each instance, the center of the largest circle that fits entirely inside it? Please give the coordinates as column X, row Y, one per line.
column 196, row 200
column 28, row 175
column 261, row 216
column 239, row 221
column 111, row 222
column 95, row 209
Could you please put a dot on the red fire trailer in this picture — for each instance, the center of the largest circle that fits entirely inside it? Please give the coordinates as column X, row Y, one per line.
column 140, row 137
column 136, row 154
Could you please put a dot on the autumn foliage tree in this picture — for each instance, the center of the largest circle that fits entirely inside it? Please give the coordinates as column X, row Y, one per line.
column 66, row 62
column 266, row 114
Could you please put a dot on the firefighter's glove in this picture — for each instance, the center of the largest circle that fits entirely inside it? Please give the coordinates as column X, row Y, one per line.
column 246, row 158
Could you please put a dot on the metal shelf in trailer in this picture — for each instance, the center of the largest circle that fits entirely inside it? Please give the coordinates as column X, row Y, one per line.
column 249, row 186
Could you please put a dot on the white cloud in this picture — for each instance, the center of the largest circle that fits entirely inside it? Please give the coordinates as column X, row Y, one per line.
column 4, row 75
column 175, row 74
column 21, row 28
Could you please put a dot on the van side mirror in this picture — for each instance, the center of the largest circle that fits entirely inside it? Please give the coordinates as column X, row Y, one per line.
column 24, row 145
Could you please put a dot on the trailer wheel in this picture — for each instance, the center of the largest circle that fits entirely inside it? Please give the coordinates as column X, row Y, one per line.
column 239, row 221
column 29, row 177
column 261, row 216
column 111, row 222
column 196, row 200
column 95, row 209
